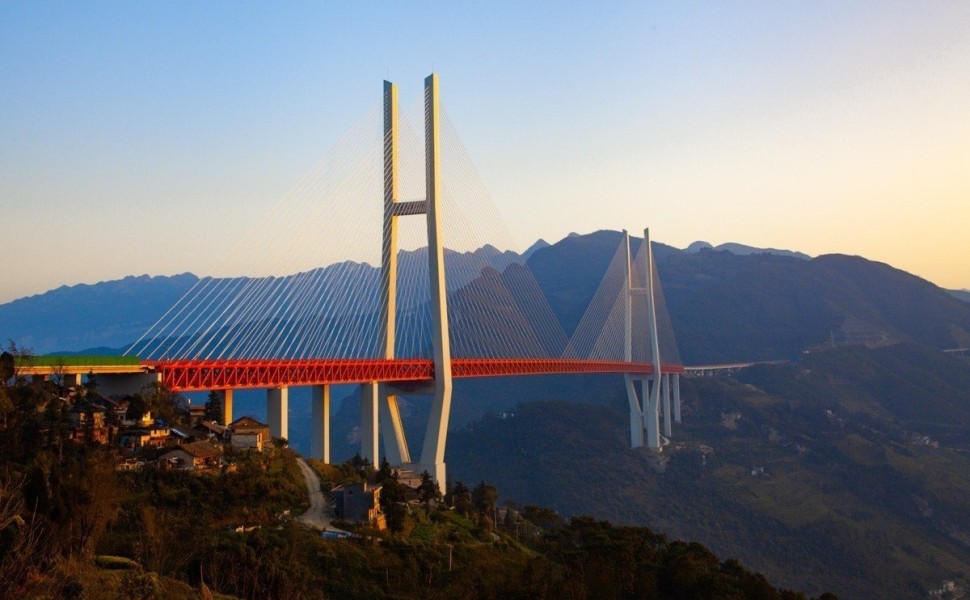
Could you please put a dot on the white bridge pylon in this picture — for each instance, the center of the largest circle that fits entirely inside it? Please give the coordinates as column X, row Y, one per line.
column 379, row 407
column 645, row 408
column 378, row 402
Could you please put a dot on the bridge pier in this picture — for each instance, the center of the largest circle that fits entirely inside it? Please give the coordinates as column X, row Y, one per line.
column 636, row 413
column 369, row 396
column 277, row 411
column 651, row 412
column 320, row 417
column 665, row 389
column 71, row 380
column 225, row 399
column 677, row 397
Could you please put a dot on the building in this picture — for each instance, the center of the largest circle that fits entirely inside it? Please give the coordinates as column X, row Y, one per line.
column 146, row 420
column 196, row 456
column 248, row 433
column 89, row 424
column 155, row 436
column 209, row 430
column 359, row 502
column 196, row 413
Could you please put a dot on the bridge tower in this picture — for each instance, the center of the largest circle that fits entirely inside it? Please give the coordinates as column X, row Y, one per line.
column 379, row 406
column 645, row 413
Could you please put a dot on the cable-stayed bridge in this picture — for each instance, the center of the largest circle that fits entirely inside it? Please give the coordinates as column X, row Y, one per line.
column 444, row 303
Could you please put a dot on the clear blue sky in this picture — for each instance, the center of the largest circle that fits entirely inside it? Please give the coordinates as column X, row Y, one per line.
column 139, row 137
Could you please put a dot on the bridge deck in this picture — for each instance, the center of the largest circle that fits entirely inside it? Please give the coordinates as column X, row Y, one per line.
column 236, row 374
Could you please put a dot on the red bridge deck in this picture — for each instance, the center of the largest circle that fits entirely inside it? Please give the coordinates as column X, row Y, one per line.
column 191, row 375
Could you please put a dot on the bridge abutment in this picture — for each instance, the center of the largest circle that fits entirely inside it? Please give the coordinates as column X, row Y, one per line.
column 126, row 384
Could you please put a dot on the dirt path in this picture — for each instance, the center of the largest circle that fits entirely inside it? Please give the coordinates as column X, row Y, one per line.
column 318, row 515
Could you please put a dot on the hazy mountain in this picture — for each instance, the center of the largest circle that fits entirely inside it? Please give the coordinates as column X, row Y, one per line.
column 723, row 306
column 742, row 250
column 961, row 294
column 540, row 244
column 113, row 314
column 109, row 313
column 726, row 307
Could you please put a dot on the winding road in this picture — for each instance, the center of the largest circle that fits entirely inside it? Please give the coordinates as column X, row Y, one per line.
column 318, row 515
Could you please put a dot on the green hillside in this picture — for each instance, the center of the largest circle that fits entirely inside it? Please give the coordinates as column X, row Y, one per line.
column 820, row 475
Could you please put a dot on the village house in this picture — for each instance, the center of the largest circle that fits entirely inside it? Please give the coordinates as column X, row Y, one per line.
column 359, row 502
column 144, row 421
column 196, row 456
column 248, row 433
column 117, row 407
column 210, row 430
column 154, row 436
column 88, row 424
column 196, row 413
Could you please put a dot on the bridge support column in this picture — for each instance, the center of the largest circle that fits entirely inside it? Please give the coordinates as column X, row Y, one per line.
column 651, row 412
column 225, row 399
column 665, row 389
column 277, row 411
column 368, row 422
column 320, row 416
column 392, row 431
column 71, row 380
column 636, row 413
column 677, row 397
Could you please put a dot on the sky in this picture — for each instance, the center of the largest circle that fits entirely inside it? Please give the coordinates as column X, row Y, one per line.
column 149, row 137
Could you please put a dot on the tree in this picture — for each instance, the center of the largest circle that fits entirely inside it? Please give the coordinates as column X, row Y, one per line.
column 485, row 496
column 428, row 491
column 384, row 473
column 213, row 408
column 137, row 407
column 7, row 367
column 361, row 465
column 91, row 387
column 460, row 498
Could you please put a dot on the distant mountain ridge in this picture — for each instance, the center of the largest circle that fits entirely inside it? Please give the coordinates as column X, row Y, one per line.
column 724, row 305
column 961, row 294
column 743, row 250
column 109, row 313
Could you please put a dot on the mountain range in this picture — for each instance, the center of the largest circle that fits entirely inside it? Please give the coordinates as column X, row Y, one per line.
column 730, row 304
column 844, row 468
column 961, row 294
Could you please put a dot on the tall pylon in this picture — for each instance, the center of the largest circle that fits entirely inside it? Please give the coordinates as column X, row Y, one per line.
column 645, row 412
column 392, row 430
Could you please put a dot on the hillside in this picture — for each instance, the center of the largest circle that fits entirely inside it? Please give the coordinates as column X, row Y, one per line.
column 72, row 525
column 729, row 308
column 847, row 471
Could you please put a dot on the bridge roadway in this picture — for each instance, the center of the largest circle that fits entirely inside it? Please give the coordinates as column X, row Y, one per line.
column 196, row 375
